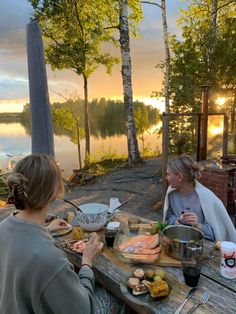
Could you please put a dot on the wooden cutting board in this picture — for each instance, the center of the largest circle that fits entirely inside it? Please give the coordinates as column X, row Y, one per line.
column 166, row 260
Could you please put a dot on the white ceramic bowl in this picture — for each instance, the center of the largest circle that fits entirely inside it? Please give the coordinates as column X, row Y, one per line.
column 93, row 216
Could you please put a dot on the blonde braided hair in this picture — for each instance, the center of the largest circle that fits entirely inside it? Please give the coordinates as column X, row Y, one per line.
column 35, row 181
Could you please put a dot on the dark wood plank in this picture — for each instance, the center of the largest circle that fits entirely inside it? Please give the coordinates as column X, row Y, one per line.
column 211, row 268
column 109, row 271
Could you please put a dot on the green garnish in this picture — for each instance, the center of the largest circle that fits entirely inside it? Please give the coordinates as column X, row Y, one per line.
column 161, row 225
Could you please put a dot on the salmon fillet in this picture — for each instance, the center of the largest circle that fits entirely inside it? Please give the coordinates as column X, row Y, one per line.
column 139, row 242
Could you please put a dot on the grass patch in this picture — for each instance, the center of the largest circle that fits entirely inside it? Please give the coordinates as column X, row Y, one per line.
column 104, row 161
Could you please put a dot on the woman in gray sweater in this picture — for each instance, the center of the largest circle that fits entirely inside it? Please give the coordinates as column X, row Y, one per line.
column 36, row 277
column 188, row 202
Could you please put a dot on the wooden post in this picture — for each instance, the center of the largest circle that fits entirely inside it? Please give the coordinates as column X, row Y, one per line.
column 204, row 122
column 198, row 136
column 42, row 128
column 225, row 136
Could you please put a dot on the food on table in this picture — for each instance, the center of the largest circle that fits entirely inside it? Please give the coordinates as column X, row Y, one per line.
column 140, row 289
column 149, row 274
column 133, row 282
column 77, row 233
column 79, row 246
column 157, row 278
column 160, row 272
column 218, row 244
column 149, row 251
column 137, row 243
column 158, row 289
column 156, row 285
column 141, row 259
column 139, row 273
column 161, row 225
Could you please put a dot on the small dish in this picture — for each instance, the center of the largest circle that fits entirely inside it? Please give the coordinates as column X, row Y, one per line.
column 61, row 232
column 144, row 299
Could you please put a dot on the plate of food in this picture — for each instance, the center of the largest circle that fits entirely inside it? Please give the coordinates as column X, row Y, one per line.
column 76, row 246
column 61, row 232
column 147, row 284
column 138, row 244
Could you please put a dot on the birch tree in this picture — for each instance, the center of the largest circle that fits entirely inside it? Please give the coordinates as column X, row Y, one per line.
column 166, row 91
column 133, row 152
column 166, row 88
column 124, row 16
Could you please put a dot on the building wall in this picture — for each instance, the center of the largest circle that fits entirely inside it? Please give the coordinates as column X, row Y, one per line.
column 223, row 183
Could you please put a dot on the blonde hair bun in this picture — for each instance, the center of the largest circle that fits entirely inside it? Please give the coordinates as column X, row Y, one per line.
column 187, row 166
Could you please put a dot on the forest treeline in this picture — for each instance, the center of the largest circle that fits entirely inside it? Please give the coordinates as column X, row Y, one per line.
column 107, row 117
column 10, row 116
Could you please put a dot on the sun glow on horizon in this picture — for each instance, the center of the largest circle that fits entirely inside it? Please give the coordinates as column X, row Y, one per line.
column 216, row 130
column 12, row 105
column 154, row 102
column 18, row 105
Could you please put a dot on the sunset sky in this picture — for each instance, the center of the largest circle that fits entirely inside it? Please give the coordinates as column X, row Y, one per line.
column 145, row 52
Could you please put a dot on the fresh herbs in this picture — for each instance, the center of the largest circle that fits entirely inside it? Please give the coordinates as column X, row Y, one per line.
column 161, row 225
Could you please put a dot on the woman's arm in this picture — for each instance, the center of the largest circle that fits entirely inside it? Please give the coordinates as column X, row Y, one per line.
column 208, row 231
column 58, row 224
column 66, row 293
column 171, row 218
column 191, row 218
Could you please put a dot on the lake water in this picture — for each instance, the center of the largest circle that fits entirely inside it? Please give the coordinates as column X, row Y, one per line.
column 14, row 141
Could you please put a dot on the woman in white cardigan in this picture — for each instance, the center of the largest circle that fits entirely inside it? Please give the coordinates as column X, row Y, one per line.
column 188, row 202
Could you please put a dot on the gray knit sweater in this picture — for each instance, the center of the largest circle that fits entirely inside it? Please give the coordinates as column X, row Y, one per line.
column 35, row 275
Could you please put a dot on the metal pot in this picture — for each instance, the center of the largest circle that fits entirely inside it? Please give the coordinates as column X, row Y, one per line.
column 182, row 242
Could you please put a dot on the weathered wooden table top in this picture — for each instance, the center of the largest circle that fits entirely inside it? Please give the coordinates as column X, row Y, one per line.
column 111, row 272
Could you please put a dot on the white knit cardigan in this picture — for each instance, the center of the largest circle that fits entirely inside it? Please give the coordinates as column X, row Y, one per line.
column 214, row 212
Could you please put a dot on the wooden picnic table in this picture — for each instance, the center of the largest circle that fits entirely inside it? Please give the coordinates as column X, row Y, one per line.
column 111, row 273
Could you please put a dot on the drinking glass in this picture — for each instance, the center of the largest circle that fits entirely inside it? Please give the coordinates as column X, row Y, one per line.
column 191, row 271
column 110, row 235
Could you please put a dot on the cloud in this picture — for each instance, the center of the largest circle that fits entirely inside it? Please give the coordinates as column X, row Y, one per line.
column 14, row 15
column 12, row 88
column 146, row 52
column 13, row 46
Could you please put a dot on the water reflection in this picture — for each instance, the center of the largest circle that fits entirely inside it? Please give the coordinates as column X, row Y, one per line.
column 14, row 140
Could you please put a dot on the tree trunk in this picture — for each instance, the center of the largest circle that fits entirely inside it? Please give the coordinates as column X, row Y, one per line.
column 86, row 116
column 167, row 57
column 165, row 120
column 212, row 61
column 42, row 129
column 78, row 144
column 133, row 152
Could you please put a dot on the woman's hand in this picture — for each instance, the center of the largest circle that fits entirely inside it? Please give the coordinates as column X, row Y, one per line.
column 190, row 218
column 58, row 224
column 92, row 249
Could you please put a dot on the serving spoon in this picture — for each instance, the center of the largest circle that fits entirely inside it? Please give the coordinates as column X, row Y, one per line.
column 69, row 202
